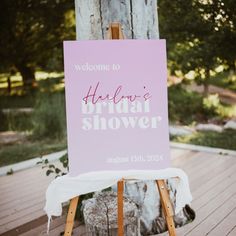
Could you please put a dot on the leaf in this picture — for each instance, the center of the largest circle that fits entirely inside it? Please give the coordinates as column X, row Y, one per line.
column 49, row 172
column 57, row 170
column 65, row 164
column 10, row 172
column 46, row 161
column 52, row 166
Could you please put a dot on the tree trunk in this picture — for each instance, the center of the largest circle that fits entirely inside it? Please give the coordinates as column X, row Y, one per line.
column 206, row 83
column 138, row 18
column 28, row 76
column 205, row 89
column 9, row 84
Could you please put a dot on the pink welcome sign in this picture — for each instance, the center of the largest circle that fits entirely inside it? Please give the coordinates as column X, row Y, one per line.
column 116, row 105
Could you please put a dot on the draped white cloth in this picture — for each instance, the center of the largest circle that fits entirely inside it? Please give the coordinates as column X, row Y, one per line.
column 66, row 187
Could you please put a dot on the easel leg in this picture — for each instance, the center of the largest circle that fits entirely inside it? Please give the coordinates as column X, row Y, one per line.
column 71, row 216
column 120, row 190
column 166, row 204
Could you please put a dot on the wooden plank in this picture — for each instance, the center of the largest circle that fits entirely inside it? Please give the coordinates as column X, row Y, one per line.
column 232, row 232
column 23, row 193
column 18, row 222
column 9, row 212
column 210, row 184
column 20, row 215
column 202, row 162
column 180, row 156
column 213, row 192
column 26, row 227
column 80, row 230
column 24, row 201
column 13, row 201
column 195, row 161
column 212, row 220
column 177, row 152
column 208, row 173
column 186, row 160
column 42, row 229
column 24, row 183
column 225, row 226
column 210, row 208
column 28, row 175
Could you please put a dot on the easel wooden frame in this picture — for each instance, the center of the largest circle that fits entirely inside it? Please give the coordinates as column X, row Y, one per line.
column 115, row 32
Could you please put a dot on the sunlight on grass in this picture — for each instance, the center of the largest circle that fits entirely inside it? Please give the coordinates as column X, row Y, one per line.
column 227, row 111
column 11, row 154
column 41, row 75
column 16, row 80
column 58, row 87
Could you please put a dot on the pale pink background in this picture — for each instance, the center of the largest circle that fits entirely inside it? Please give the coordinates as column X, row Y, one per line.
column 143, row 62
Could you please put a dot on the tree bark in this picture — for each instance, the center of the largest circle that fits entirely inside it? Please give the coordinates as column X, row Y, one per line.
column 138, row 18
column 206, row 83
column 28, row 76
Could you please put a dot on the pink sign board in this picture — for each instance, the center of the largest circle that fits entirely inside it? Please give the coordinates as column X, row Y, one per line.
column 116, row 105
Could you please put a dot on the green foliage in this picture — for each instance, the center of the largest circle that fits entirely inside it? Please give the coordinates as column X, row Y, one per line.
column 200, row 35
column 32, row 33
column 225, row 140
column 225, row 80
column 16, row 101
column 187, row 107
column 184, row 106
column 10, row 172
column 52, row 169
column 15, row 121
column 214, row 108
column 49, row 116
column 211, row 103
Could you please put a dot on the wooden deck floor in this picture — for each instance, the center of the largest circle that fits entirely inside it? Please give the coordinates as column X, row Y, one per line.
column 212, row 181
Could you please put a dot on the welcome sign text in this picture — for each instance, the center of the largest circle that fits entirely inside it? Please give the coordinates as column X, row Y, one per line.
column 116, row 105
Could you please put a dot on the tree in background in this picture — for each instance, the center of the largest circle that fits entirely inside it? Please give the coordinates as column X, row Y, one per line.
column 31, row 35
column 200, row 35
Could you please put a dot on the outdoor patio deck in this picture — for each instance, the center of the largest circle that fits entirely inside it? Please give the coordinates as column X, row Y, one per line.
column 212, row 181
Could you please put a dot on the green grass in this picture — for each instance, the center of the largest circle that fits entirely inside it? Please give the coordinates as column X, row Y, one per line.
column 45, row 82
column 16, row 101
column 14, row 121
column 225, row 140
column 10, row 154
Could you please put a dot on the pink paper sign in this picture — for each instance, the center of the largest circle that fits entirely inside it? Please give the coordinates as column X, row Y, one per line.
column 116, row 105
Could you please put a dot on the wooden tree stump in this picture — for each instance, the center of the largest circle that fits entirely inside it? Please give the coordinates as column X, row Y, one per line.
column 100, row 215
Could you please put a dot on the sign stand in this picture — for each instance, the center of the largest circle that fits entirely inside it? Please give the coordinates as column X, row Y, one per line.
column 115, row 32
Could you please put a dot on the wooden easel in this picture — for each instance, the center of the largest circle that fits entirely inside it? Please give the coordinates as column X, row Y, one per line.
column 115, row 32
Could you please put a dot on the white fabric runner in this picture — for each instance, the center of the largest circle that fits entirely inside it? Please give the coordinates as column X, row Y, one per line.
column 66, row 187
